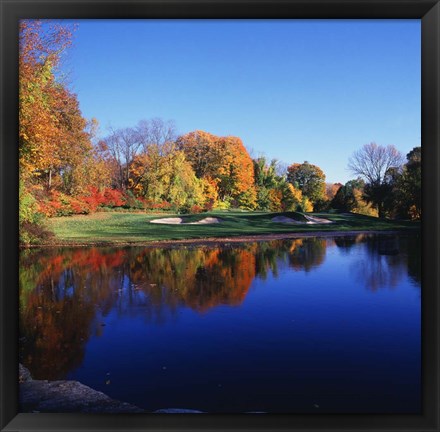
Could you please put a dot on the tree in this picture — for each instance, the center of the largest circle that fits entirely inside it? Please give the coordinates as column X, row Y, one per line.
column 374, row 163
column 48, row 112
column 331, row 189
column 162, row 173
column 53, row 142
column 123, row 144
column 266, row 179
column 73, row 144
column 156, row 131
column 204, row 151
column 293, row 199
column 408, row 187
column 349, row 198
column 412, row 182
column 309, row 179
column 223, row 161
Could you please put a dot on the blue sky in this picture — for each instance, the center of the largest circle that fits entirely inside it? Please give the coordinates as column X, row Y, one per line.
column 294, row 90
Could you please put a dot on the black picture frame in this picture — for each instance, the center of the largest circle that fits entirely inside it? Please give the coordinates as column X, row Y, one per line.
column 13, row 10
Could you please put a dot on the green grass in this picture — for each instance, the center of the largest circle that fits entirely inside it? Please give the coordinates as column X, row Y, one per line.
column 135, row 227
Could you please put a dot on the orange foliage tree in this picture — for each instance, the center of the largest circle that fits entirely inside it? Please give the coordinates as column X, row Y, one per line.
column 52, row 137
column 223, row 161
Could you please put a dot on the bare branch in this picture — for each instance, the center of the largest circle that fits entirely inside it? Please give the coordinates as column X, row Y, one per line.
column 372, row 162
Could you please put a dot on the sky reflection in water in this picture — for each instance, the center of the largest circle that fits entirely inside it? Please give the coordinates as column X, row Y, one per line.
column 307, row 325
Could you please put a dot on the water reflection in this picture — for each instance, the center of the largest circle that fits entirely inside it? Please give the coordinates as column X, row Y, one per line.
column 388, row 260
column 65, row 293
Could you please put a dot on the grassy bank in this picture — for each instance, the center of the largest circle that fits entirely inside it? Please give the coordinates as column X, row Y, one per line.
column 136, row 227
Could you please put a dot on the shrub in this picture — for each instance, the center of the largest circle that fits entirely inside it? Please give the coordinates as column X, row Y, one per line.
column 113, row 198
column 209, row 205
column 164, row 205
column 321, row 205
column 133, row 202
column 195, row 209
column 31, row 220
column 34, row 233
column 223, row 205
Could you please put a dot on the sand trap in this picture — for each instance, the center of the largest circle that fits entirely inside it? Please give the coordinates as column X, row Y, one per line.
column 316, row 220
column 179, row 221
column 208, row 220
column 311, row 220
column 171, row 221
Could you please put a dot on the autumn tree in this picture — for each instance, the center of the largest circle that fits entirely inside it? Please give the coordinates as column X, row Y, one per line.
column 309, row 179
column 98, row 169
column 292, row 198
column 374, row 164
column 223, row 161
column 162, row 173
column 73, row 145
column 52, row 139
column 204, row 151
column 125, row 144
column 331, row 189
column 38, row 56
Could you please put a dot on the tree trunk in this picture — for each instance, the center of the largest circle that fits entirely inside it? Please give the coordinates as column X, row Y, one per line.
column 380, row 210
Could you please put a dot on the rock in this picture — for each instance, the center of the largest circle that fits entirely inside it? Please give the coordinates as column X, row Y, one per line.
column 177, row 411
column 72, row 396
column 23, row 374
column 68, row 396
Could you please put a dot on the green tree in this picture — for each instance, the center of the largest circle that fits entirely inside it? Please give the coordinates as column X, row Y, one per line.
column 309, row 179
column 265, row 180
column 345, row 199
column 408, row 187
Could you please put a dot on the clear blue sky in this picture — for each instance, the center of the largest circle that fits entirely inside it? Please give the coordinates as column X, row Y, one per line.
column 294, row 90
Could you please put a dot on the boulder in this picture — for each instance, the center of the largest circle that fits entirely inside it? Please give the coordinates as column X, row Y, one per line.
column 68, row 396
column 23, row 374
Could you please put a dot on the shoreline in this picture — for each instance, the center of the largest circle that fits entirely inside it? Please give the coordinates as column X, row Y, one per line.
column 70, row 396
column 219, row 241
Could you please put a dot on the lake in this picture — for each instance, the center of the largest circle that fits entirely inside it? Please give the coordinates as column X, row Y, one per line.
column 310, row 325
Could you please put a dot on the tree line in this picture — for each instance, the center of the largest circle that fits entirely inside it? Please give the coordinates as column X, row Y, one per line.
column 66, row 168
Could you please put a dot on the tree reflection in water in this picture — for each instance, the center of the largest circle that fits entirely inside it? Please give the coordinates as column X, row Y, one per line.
column 389, row 258
column 64, row 292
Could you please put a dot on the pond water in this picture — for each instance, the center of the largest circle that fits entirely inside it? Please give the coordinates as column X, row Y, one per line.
column 311, row 325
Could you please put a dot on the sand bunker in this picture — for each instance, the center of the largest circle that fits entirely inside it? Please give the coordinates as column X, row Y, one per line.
column 179, row 221
column 316, row 220
column 312, row 220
